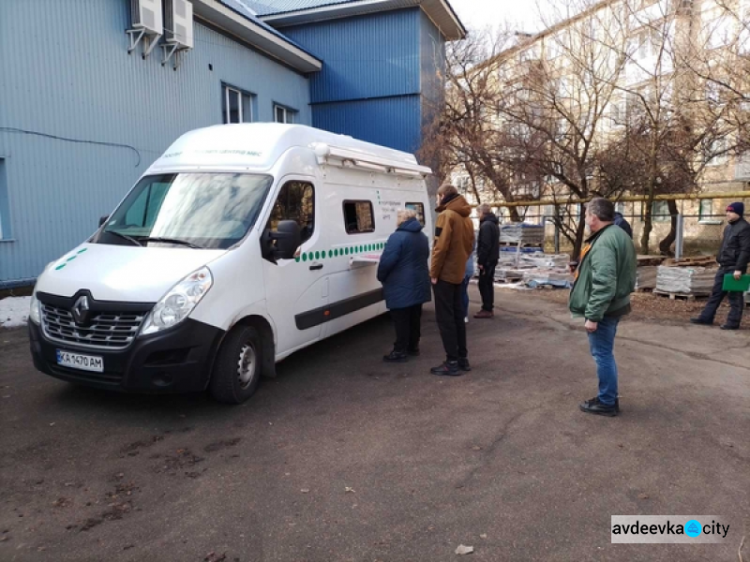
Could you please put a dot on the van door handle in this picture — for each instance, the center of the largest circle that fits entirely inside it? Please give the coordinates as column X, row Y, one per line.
column 316, row 267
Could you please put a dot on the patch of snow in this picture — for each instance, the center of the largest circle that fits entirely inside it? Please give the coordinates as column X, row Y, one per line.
column 14, row 311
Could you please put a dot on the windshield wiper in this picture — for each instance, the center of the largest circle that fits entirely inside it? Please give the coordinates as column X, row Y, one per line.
column 171, row 241
column 125, row 236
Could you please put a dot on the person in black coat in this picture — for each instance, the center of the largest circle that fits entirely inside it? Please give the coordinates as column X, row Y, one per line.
column 488, row 254
column 733, row 258
column 623, row 223
column 405, row 276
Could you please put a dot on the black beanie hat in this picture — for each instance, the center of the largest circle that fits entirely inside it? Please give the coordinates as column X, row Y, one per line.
column 738, row 208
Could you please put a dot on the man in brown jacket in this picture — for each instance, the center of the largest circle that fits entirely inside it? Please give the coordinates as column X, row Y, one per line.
column 454, row 241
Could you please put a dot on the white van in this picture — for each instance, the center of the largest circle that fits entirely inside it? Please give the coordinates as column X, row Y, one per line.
column 240, row 245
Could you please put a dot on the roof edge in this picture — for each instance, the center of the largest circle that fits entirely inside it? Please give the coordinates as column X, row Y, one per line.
column 363, row 7
column 258, row 34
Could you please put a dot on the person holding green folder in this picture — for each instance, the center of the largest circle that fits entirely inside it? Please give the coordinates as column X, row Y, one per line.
column 733, row 258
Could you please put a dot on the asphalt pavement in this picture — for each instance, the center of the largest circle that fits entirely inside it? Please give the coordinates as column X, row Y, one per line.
column 345, row 458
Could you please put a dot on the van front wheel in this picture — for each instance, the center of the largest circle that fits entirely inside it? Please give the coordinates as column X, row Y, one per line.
column 238, row 366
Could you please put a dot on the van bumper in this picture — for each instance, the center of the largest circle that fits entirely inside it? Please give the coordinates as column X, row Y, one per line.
column 178, row 360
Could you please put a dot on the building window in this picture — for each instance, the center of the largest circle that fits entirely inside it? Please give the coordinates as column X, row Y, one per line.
column 296, row 202
column 717, row 153
column 713, row 92
column 5, row 233
column 660, row 211
column 237, row 105
column 358, row 217
column 417, row 208
column 706, row 212
column 283, row 114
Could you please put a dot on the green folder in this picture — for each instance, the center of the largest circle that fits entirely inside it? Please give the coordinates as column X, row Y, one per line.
column 741, row 286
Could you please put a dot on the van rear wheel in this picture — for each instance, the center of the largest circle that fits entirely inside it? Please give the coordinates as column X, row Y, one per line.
column 238, row 366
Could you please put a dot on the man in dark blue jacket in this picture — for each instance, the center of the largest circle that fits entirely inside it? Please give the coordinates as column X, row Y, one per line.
column 623, row 223
column 405, row 276
column 734, row 255
column 488, row 254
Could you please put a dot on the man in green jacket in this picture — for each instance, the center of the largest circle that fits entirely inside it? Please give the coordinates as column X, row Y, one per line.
column 601, row 294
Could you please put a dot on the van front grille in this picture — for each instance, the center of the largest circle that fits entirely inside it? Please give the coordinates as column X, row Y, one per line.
column 106, row 330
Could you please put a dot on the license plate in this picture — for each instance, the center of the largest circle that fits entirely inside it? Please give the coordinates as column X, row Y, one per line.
column 80, row 362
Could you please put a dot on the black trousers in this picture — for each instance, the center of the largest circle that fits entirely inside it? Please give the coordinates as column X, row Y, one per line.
column 408, row 322
column 487, row 286
column 449, row 310
column 736, row 301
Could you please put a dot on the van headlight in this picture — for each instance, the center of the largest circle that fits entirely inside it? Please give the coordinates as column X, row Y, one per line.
column 35, row 311
column 179, row 302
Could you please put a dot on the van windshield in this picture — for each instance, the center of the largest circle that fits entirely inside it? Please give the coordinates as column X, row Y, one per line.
column 198, row 210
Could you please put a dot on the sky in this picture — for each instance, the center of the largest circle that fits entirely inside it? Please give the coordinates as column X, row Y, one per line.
column 478, row 14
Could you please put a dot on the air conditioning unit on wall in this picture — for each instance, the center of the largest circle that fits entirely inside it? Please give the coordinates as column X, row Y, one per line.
column 179, row 23
column 179, row 28
column 147, row 15
column 147, row 24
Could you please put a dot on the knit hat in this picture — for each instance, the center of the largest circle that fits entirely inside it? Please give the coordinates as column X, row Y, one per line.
column 738, row 208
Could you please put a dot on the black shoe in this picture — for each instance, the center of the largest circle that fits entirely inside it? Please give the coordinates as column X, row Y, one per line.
column 463, row 364
column 414, row 352
column 448, row 369
column 701, row 321
column 594, row 406
column 729, row 327
column 396, row 357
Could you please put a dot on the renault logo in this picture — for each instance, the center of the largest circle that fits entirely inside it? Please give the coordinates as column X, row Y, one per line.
column 81, row 310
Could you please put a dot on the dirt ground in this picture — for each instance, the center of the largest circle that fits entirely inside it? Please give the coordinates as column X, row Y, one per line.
column 345, row 458
column 649, row 307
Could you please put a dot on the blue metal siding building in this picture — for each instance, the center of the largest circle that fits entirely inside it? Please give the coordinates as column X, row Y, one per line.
column 81, row 119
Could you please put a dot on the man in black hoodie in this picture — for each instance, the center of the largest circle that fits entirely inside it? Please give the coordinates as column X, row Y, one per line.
column 733, row 257
column 488, row 254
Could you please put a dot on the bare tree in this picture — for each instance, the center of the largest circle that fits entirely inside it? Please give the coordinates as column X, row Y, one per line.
column 465, row 133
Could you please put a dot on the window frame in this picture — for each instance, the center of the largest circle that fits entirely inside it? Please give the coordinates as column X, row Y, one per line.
column 6, row 229
column 709, row 219
column 244, row 96
column 420, row 213
column 372, row 214
column 314, row 206
column 660, row 217
column 289, row 112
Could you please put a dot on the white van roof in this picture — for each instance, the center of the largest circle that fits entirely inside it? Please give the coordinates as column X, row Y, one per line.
column 258, row 146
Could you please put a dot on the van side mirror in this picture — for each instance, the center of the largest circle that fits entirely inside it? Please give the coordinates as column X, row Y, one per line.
column 102, row 220
column 288, row 238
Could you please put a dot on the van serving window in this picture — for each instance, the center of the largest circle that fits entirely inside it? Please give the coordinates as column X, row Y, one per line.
column 296, row 202
column 417, row 208
column 358, row 217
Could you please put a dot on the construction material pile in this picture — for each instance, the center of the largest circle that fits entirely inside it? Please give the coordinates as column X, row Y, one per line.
column 696, row 281
column 533, row 268
column 522, row 233
column 645, row 278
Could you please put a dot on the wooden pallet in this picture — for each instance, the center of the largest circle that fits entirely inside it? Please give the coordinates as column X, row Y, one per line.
column 682, row 296
column 509, row 280
column 516, row 245
column 702, row 261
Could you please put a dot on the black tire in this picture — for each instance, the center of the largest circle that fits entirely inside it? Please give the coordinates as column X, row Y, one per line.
column 238, row 366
